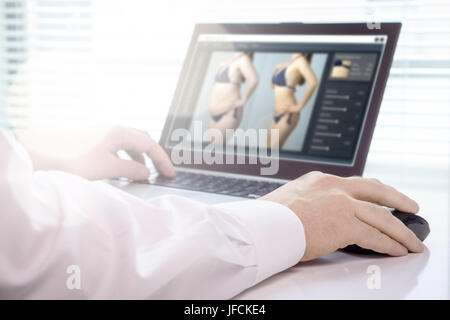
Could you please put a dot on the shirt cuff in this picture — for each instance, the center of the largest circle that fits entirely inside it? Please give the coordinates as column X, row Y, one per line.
column 278, row 234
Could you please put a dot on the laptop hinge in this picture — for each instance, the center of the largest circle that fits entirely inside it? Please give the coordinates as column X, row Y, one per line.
column 232, row 175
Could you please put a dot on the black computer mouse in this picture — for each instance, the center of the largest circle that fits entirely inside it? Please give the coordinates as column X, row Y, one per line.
column 415, row 223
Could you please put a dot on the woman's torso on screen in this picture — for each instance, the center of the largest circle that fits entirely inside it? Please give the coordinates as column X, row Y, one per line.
column 224, row 92
column 285, row 95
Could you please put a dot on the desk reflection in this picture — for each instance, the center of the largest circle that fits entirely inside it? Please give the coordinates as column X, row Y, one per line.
column 343, row 275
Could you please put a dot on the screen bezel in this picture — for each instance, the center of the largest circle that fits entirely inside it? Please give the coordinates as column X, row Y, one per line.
column 290, row 169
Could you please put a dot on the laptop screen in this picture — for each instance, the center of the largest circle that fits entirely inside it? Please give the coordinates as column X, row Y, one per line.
column 306, row 96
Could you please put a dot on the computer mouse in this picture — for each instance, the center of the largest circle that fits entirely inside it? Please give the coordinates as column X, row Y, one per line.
column 415, row 223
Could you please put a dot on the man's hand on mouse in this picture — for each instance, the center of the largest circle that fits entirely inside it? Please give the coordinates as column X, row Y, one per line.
column 337, row 212
column 93, row 154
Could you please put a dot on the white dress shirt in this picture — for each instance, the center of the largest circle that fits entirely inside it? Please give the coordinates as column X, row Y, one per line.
column 64, row 237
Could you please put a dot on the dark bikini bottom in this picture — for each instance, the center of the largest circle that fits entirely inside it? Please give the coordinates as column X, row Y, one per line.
column 219, row 116
column 281, row 115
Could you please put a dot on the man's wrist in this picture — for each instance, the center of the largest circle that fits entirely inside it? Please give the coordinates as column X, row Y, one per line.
column 277, row 233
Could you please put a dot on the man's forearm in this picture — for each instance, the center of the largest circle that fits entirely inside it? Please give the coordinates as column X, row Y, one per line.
column 50, row 150
column 125, row 247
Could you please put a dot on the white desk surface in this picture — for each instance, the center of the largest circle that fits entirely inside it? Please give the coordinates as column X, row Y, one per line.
column 344, row 276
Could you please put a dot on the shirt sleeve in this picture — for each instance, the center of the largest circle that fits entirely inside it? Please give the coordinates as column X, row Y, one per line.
column 68, row 238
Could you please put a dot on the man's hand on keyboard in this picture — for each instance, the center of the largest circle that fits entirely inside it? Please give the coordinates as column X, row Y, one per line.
column 93, row 154
column 337, row 212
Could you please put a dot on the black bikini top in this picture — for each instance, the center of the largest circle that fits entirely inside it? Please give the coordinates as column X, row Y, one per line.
column 279, row 78
column 340, row 64
column 222, row 76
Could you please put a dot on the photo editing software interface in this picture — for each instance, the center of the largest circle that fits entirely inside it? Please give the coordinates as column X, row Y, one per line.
column 315, row 89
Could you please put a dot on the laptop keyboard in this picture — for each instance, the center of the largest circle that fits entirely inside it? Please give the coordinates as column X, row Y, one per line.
column 218, row 184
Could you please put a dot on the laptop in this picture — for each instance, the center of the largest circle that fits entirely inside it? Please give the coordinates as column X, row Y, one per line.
column 314, row 89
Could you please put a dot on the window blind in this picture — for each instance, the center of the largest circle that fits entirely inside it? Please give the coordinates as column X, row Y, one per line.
column 87, row 62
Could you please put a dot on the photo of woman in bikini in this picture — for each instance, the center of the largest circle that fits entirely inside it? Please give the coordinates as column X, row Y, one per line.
column 226, row 103
column 286, row 76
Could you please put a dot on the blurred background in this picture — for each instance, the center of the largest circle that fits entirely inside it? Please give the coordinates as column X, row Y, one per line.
column 72, row 63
